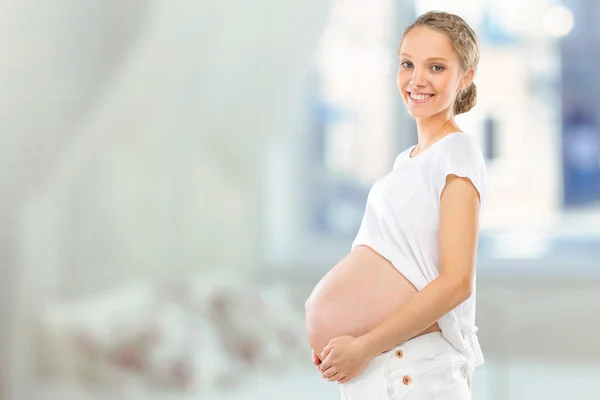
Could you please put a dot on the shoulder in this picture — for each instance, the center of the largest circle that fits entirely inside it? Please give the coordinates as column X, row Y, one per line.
column 460, row 142
column 460, row 154
column 461, row 147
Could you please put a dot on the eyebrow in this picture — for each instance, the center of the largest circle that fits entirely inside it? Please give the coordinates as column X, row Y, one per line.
column 429, row 59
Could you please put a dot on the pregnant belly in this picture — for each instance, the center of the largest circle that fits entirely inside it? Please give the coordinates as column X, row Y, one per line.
column 357, row 294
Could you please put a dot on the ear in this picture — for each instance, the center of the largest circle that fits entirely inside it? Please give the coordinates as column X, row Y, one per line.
column 467, row 79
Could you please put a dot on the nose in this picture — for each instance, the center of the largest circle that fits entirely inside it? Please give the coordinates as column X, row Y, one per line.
column 418, row 78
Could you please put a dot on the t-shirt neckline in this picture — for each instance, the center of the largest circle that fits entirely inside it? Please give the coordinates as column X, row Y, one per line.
column 411, row 148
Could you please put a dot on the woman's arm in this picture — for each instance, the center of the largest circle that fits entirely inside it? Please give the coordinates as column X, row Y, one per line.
column 458, row 238
column 345, row 357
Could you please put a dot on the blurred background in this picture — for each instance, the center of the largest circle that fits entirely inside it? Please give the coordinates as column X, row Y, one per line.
column 178, row 175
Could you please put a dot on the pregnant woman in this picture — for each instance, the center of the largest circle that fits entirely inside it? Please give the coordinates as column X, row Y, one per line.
column 395, row 318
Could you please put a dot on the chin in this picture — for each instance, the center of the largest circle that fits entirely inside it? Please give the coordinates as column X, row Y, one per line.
column 420, row 113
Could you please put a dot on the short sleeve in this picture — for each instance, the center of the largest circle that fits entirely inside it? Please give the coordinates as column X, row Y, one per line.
column 460, row 155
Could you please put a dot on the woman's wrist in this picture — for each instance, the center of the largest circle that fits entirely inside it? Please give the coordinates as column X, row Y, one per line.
column 369, row 345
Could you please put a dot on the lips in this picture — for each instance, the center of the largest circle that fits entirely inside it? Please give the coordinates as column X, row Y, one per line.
column 419, row 97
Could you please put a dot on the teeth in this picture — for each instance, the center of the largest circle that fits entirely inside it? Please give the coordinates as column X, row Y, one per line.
column 420, row 96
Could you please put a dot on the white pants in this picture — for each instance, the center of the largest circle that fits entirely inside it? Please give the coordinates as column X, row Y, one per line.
column 426, row 367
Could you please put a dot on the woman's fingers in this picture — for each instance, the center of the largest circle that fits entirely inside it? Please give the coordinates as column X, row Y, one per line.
column 325, row 365
column 326, row 350
column 316, row 359
column 334, row 378
column 330, row 373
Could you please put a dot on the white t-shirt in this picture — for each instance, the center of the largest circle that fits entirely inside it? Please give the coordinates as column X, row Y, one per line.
column 401, row 222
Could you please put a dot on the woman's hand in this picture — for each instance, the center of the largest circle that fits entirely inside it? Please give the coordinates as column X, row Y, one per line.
column 316, row 359
column 344, row 358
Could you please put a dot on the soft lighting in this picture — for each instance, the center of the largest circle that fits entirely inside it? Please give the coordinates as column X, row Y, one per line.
column 558, row 21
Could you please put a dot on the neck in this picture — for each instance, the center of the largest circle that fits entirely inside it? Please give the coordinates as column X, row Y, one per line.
column 433, row 128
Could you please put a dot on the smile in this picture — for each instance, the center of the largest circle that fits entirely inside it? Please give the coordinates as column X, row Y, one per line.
column 419, row 98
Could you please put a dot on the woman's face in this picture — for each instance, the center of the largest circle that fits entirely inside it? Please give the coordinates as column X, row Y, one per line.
column 429, row 72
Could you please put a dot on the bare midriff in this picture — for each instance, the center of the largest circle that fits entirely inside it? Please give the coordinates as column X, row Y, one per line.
column 356, row 295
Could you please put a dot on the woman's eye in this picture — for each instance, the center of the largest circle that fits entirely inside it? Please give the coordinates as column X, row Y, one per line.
column 437, row 68
column 405, row 64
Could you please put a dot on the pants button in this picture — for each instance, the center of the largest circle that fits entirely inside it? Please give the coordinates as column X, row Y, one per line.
column 406, row 380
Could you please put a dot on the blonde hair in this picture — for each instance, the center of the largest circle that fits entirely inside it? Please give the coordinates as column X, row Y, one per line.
column 464, row 43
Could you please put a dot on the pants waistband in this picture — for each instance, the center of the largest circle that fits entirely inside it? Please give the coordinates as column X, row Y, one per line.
column 427, row 345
